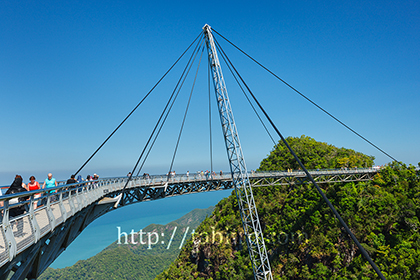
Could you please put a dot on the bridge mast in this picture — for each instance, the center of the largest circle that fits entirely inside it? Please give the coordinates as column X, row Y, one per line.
column 247, row 207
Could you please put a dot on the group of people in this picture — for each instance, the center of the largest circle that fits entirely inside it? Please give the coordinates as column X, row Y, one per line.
column 19, row 186
column 50, row 182
column 207, row 174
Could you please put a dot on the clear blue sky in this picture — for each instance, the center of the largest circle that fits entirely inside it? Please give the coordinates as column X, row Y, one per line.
column 70, row 71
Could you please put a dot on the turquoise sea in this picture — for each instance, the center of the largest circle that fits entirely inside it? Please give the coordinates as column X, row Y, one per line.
column 103, row 231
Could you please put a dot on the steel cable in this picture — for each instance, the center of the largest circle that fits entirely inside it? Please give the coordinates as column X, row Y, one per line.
column 309, row 176
column 135, row 108
column 176, row 89
column 186, row 111
column 243, row 91
column 307, row 98
column 157, row 124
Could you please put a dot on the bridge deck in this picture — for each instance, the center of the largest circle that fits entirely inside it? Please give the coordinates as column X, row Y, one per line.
column 65, row 213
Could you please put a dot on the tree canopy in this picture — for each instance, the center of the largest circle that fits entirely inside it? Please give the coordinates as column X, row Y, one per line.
column 303, row 238
column 313, row 155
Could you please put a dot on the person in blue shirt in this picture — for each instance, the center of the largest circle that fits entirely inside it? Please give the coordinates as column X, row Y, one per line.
column 50, row 182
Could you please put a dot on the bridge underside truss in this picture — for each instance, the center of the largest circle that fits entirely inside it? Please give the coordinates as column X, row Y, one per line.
column 134, row 195
column 302, row 179
column 49, row 230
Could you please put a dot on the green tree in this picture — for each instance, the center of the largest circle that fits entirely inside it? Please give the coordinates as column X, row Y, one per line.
column 303, row 238
column 313, row 155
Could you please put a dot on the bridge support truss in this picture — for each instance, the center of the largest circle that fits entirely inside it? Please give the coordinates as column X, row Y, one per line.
column 248, row 209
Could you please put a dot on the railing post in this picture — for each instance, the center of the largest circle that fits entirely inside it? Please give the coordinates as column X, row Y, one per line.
column 32, row 220
column 78, row 198
column 8, row 233
column 50, row 213
column 62, row 208
column 88, row 194
column 83, row 196
column 71, row 203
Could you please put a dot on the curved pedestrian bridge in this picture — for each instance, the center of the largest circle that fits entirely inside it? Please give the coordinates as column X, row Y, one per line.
column 29, row 243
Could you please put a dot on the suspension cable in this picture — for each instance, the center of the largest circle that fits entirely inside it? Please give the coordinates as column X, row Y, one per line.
column 243, row 91
column 309, row 176
column 157, row 124
column 186, row 111
column 307, row 98
column 176, row 89
column 210, row 132
column 135, row 108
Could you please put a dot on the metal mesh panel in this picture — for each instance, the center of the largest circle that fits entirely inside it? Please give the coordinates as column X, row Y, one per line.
column 83, row 200
column 41, row 217
column 76, row 204
column 23, row 233
column 4, row 249
column 67, row 206
column 55, row 208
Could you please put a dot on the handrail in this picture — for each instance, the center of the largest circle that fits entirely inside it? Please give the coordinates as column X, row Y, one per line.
column 226, row 175
column 161, row 179
column 61, row 203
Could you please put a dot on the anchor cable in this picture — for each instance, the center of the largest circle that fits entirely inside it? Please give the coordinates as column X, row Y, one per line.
column 308, row 99
column 309, row 176
column 243, row 91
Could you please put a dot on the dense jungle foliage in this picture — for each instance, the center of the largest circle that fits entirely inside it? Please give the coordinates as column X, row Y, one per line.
column 303, row 238
column 313, row 155
column 134, row 261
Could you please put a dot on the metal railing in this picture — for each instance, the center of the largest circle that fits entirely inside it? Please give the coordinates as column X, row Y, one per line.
column 46, row 209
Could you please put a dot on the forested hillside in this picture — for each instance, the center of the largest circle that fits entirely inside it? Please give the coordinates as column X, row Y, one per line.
column 313, row 155
column 130, row 260
column 303, row 238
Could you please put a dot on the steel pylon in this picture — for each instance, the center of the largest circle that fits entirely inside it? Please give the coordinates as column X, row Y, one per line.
column 249, row 215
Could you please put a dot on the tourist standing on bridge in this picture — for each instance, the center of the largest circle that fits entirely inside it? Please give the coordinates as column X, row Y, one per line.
column 72, row 180
column 95, row 178
column 16, row 187
column 88, row 179
column 34, row 185
column 22, row 184
column 50, row 182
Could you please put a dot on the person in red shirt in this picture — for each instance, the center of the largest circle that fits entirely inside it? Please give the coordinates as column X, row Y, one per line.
column 34, row 185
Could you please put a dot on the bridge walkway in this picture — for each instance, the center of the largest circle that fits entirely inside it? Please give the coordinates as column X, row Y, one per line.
column 30, row 242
